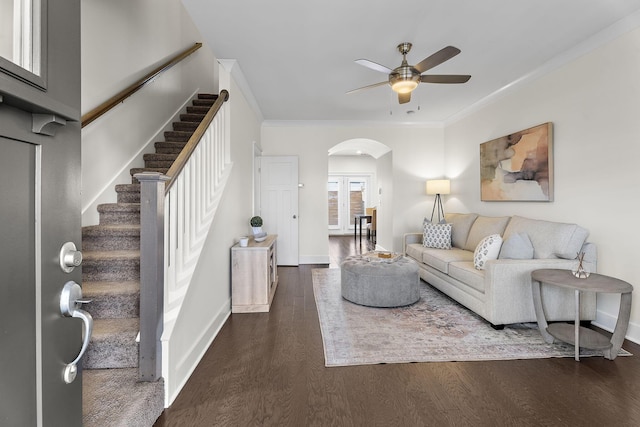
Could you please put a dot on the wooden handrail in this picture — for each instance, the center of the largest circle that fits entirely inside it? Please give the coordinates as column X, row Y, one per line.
column 121, row 96
column 184, row 155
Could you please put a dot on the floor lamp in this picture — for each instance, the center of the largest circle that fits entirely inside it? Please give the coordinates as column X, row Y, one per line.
column 438, row 187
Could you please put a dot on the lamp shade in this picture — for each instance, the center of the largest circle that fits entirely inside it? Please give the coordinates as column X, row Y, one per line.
column 438, row 186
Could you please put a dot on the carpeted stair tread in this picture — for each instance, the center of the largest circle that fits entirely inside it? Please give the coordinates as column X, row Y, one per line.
column 119, row 213
column 113, row 344
column 111, row 266
column 160, row 160
column 202, row 110
column 160, row 156
column 128, row 193
column 177, row 136
column 169, row 147
column 112, row 300
column 115, row 398
column 203, row 102
column 192, row 117
column 111, row 237
column 185, row 126
column 211, row 96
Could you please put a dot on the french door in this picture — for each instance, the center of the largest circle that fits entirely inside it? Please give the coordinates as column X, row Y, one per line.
column 347, row 196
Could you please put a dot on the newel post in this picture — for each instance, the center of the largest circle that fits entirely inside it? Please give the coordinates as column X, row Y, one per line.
column 151, row 273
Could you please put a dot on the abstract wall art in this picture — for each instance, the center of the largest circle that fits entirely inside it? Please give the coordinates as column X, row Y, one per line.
column 518, row 167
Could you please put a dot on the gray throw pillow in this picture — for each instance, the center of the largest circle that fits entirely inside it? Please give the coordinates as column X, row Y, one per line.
column 517, row 246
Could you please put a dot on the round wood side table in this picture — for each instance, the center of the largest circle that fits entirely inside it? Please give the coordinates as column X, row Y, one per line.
column 575, row 334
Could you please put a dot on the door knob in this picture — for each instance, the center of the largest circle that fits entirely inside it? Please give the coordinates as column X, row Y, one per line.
column 294, row 217
column 70, row 257
column 70, row 303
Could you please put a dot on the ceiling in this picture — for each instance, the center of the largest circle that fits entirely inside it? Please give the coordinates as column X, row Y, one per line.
column 297, row 57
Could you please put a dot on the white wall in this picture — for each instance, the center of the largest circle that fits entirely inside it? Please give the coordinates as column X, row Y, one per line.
column 593, row 103
column 417, row 154
column 121, row 42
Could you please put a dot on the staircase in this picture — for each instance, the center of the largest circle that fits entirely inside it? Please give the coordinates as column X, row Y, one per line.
column 112, row 395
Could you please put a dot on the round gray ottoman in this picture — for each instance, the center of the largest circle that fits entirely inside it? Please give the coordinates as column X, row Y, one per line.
column 380, row 283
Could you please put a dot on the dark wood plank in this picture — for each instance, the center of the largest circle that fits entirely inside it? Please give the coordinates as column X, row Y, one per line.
column 268, row 369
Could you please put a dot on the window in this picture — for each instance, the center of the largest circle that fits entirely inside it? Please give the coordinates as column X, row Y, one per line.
column 347, row 197
column 21, row 39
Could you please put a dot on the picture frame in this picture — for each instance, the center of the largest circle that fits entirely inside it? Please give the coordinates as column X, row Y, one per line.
column 518, row 166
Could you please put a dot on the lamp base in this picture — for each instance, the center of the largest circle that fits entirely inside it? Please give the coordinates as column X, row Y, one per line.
column 437, row 205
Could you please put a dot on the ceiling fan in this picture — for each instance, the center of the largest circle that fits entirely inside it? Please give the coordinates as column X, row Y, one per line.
column 405, row 78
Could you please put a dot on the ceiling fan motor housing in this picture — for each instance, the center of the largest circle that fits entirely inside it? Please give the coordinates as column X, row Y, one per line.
column 404, row 79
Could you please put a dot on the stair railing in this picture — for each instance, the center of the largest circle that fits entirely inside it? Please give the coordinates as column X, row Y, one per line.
column 124, row 94
column 176, row 211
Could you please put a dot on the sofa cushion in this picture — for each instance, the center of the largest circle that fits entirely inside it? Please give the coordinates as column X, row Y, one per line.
column 440, row 259
column 485, row 226
column 415, row 250
column 487, row 249
column 465, row 272
column 517, row 246
column 549, row 239
column 460, row 226
column 436, row 235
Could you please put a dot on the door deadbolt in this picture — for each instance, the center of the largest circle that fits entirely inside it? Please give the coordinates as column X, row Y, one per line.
column 70, row 257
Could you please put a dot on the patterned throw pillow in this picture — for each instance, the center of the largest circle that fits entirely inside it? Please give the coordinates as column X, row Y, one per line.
column 487, row 249
column 436, row 235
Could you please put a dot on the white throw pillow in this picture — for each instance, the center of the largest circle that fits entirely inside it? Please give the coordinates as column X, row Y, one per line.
column 436, row 236
column 487, row 249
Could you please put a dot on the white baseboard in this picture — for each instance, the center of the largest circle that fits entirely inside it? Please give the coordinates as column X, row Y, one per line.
column 607, row 322
column 188, row 363
column 314, row 259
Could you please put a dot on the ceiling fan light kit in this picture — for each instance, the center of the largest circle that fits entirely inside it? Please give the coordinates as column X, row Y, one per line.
column 405, row 78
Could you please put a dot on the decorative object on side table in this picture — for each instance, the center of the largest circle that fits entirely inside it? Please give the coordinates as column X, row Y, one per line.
column 256, row 226
column 580, row 271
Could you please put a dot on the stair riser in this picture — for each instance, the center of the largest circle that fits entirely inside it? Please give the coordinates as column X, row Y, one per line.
column 115, row 218
column 111, row 243
column 111, row 270
column 115, row 352
column 128, row 197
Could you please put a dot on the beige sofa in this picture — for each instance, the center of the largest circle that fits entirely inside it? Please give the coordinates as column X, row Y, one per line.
column 501, row 293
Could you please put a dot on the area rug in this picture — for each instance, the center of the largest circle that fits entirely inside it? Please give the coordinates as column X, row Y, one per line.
column 435, row 329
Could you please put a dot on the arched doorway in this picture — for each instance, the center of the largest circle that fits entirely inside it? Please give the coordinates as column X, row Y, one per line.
column 358, row 171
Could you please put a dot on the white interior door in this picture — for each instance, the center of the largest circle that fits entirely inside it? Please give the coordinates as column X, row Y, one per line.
column 279, row 204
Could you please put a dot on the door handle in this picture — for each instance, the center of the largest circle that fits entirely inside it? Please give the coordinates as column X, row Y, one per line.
column 70, row 303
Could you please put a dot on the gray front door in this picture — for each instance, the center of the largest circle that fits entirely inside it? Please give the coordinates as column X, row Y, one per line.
column 39, row 212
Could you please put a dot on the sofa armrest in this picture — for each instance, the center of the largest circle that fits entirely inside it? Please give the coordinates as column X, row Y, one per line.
column 410, row 238
column 508, row 290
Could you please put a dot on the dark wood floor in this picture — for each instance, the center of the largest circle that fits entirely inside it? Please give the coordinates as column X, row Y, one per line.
column 267, row 369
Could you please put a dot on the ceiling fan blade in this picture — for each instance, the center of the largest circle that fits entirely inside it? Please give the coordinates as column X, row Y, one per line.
column 437, row 58
column 368, row 87
column 403, row 98
column 373, row 65
column 445, row 78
